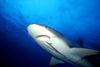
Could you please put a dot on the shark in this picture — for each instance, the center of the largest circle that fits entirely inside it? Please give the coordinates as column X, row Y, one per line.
column 61, row 49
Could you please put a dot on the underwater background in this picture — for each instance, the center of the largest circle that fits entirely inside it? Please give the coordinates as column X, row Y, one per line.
column 75, row 19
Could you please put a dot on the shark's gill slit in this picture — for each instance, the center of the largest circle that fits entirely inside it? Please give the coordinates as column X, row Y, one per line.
column 55, row 49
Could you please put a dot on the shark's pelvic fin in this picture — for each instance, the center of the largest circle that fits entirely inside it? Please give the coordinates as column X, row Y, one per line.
column 83, row 52
column 55, row 61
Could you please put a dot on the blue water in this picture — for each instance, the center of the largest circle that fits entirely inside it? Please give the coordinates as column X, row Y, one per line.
column 75, row 19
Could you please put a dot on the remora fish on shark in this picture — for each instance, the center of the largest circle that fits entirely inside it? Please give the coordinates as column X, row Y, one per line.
column 59, row 47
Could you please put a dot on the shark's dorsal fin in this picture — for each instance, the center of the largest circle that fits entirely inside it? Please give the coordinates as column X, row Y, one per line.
column 54, row 61
column 80, row 42
column 83, row 52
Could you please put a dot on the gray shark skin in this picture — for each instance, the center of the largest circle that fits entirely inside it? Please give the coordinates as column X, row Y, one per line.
column 59, row 47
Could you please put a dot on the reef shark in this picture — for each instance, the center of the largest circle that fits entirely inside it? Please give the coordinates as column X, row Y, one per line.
column 59, row 47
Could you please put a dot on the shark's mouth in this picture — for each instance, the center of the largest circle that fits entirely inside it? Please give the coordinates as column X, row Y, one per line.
column 43, row 36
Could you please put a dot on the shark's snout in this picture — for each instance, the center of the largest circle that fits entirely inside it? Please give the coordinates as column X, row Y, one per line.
column 32, row 26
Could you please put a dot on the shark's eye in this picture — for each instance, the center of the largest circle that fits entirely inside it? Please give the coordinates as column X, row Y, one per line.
column 46, row 26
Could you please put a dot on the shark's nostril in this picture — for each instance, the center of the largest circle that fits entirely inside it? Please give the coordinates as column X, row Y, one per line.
column 30, row 26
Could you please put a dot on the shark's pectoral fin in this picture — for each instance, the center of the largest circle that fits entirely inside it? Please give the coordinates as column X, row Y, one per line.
column 54, row 62
column 83, row 52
